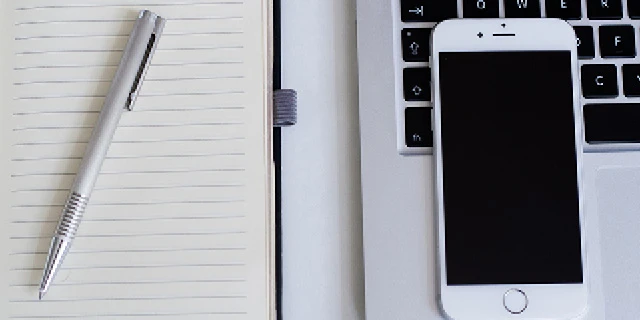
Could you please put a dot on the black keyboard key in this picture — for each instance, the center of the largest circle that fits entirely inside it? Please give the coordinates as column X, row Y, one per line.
column 479, row 8
column 417, row 127
column 564, row 9
column 428, row 10
column 631, row 80
column 417, row 84
column 617, row 42
column 612, row 123
column 522, row 8
column 415, row 44
column 605, row 9
column 599, row 81
column 586, row 46
column 634, row 9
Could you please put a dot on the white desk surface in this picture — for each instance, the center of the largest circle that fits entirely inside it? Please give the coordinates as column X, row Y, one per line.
column 321, row 203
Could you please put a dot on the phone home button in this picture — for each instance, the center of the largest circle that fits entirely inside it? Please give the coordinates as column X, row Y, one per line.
column 515, row 301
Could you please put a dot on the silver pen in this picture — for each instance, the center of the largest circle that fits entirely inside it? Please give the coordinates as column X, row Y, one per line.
column 122, row 95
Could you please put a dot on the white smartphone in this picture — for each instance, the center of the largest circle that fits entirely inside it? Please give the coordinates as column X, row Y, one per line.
column 507, row 146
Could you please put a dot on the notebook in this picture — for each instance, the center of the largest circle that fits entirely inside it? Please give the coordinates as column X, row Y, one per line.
column 180, row 223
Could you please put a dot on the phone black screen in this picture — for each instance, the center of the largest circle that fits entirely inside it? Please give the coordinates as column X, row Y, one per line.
column 509, row 168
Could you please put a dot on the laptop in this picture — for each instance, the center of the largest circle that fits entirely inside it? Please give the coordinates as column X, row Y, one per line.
column 396, row 140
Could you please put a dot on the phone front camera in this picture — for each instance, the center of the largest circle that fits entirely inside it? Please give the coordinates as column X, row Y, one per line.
column 480, row 35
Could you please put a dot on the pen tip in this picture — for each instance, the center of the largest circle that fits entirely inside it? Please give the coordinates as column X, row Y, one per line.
column 40, row 295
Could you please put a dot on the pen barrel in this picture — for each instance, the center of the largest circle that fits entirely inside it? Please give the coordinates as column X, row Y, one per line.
column 98, row 145
column 121, row 92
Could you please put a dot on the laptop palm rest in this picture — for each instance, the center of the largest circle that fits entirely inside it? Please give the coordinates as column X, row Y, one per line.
column 619, row 221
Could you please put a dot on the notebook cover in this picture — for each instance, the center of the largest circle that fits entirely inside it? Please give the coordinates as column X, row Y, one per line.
column 277, row 65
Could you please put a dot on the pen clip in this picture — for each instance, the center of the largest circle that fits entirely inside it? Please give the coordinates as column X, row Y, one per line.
column 146, row 61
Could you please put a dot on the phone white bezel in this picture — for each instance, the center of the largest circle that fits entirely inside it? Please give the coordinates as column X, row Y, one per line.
column 549, row 301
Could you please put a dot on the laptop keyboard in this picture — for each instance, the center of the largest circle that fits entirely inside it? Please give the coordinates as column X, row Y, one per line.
column 608, row 34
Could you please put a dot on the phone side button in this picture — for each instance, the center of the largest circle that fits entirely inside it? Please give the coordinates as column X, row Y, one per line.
column 515, row 301
column 433, row 120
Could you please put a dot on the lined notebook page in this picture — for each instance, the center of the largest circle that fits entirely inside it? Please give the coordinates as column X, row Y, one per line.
column 178, row 225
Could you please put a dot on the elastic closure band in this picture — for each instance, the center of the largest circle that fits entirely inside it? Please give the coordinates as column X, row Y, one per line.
column 285, row 108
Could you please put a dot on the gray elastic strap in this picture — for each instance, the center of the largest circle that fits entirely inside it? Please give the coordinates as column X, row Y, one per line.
column 285, row 108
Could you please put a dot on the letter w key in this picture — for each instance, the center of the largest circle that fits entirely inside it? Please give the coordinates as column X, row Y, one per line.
column 522, row 9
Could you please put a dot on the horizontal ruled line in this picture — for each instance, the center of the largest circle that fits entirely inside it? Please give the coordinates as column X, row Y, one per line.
column 72, row 21
column 179, row 94
column 200, row 48
column 95, row 204
column 176, row 218
column 61, row 81
column 123, row 219
column 226, row 32
column 137, row 298
column 133, row 251
column 150, row 141
column 18, row 114
column 229, row 107
column 193, row 78
column 168, row 64
column 67, row 51
column 221, row 185
column 137, row 126
column 138, row 235
column 129, row 203
column 73, row 284
column 106, row 80
column 46, row 158
column 119, row 50
column 125, row 20
column 66, row 66
column 173, row 187
column 185, row 109
column 151, row 315
column 139, row 266
column 60, row 97
column 211, row 93
column 201, row 155
column 128, row 5
column 131, row 172
column 118, row 236
column 44, row 174
column 67, row 36
column 124, row 35
column 52, row 128
column 32, row 190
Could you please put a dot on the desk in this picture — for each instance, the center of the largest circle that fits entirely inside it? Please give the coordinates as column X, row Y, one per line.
column 322, row 216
